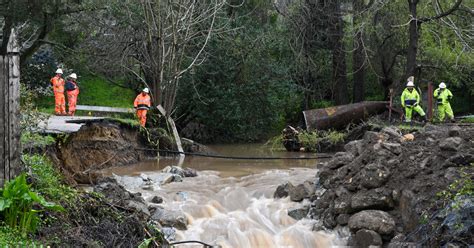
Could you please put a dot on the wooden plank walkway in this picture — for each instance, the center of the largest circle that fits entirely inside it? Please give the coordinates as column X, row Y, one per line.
column 104, row 109
column 70, row 124
column 64, row 124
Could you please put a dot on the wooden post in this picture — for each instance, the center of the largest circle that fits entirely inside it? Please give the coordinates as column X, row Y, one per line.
column 390, row 105
column 10, row 111
column 430, row 101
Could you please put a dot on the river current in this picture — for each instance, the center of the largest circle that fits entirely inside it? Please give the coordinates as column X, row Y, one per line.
column 230, row 203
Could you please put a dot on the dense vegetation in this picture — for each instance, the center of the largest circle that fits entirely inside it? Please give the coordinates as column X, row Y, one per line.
column 241, row 70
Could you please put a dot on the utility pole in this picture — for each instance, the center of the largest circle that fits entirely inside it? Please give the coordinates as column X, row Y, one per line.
column 9, row 111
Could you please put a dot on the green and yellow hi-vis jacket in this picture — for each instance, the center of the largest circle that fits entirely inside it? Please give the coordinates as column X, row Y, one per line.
column 410, row 98
column 442, row 97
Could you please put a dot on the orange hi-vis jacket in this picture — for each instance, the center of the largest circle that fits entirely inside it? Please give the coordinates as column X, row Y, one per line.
column 58, row 84
column 142, row 102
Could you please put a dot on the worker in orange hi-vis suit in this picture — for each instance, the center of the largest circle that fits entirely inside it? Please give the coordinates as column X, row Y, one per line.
column 142, row 104
column 72, row 92
column 58, row 87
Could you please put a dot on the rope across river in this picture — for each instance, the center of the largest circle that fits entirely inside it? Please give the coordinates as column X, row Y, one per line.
column 318, row 156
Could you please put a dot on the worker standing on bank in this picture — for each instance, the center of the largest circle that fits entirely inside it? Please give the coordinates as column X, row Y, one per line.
column 58, row 88
column 411, row 101
column 443, row 96
column 72, row 92
column 142, row 104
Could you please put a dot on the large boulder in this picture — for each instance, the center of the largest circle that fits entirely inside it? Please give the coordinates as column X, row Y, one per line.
column 459, row 218
column 372, row 175
column 282, row 190
column 454, row 131
column 174, row 170
column 366, row 238
column 392, row 132
column 372, row 199
column 299, row 192
column 450, row 144
column 298, row 213
column 189, row 172
column 375, row 220
column 170, row 218
column 340, row 159
column 354, row 147
column 374, row 137
column 342, row 204
column 395, row 148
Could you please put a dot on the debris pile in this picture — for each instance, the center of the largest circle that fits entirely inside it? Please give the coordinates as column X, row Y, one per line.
column 385, row 188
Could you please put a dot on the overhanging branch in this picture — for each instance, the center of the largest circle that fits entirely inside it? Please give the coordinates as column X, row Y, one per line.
column 443, row 14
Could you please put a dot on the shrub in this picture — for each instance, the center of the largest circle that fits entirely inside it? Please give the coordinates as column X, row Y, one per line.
column 47, row 180
column 17, row 202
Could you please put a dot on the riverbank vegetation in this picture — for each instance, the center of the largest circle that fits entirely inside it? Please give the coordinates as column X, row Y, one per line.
column 244, row 70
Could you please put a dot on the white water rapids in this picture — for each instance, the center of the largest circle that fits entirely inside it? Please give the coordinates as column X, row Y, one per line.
column 230, row 203
column 240, row 212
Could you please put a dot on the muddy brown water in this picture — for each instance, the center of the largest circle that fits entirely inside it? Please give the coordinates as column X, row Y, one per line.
column 231, row 202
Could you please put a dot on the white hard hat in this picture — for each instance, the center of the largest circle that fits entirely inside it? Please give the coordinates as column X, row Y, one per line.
column 59, row 71
column 146, row 90
column 410, row 84
column 442, row 85
column 73, row 75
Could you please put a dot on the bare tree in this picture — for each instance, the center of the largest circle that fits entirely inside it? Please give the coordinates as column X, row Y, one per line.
column 415, row 27
column 156, row 41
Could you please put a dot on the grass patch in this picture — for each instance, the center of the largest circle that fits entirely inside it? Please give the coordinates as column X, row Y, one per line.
column 10, row 237
column 94, row 91
column 468, row 120
column 310, row 141
column 30, row 139
column 409, row 128
column 47, row 180
column 97, row 91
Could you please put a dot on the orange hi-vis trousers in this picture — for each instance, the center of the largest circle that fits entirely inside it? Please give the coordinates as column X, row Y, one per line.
column 141, row 114
column 60, row 103
column 72, row 101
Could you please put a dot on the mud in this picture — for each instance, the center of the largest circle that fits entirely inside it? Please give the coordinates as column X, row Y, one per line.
column 396, row 180
column 99, row 145
column 107, row 143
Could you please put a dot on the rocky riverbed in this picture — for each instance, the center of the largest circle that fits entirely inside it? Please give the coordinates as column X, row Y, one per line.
column 395, row 189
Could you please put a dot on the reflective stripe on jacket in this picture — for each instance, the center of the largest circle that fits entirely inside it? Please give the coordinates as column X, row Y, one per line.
column 142, row 102
column 58, row 84
column 410, row 98
column 442, row 97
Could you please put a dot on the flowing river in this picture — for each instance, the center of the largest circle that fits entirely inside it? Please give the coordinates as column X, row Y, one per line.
column 230, row 203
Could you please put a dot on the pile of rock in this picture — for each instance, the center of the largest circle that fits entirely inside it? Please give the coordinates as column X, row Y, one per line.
column 384, row 185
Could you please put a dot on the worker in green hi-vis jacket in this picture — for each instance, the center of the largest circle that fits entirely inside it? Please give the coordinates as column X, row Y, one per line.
column 442, row 96
column 411, row 101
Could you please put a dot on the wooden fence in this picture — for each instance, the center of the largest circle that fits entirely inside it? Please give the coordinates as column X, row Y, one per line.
column 10, row 111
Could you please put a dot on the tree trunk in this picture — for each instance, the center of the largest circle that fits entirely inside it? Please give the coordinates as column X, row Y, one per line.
column 358, row 57
column 341, row 94
column 413, row 40
column 10, row 111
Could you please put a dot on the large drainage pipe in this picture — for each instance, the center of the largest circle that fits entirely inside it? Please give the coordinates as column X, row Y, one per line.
column 339, row 117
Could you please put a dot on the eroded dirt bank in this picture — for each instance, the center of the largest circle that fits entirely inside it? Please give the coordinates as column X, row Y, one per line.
column 386, row 189
column 106, row 143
